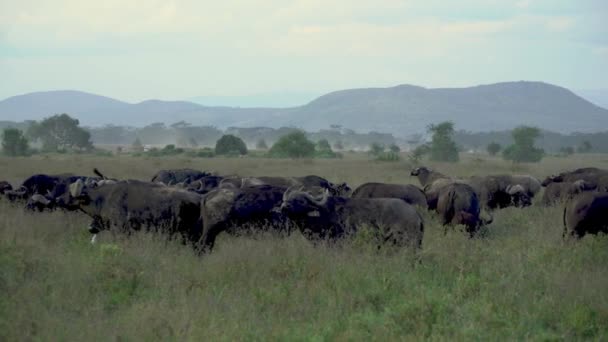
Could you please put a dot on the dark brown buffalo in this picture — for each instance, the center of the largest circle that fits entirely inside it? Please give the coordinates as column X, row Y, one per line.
column 333, row 218
column 5, row 186
column 409, row 193
column 588, row 174
column 307, row 182
column 132, row 205
column 501, row 191
column 458, row 204
column 431, row 182
column 205, row 184
column 234, row 210
column 185, row 176
column 563, row 191
column 586, row 213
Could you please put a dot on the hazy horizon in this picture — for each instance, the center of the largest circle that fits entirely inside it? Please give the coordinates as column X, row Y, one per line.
column 178, row 50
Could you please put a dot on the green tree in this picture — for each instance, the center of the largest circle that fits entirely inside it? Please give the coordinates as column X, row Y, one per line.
column 419, row 152
column 493, row 148
column 523, row 150
column 14, row 143
column 323, row 145
column 338, row 145
column 60, row 132
column 293, row 145
column 230, row 144
column 585, row 147
column 261, row 145
column 137, row 146
column 376, row 149
column 394, row 148
column 443, row 147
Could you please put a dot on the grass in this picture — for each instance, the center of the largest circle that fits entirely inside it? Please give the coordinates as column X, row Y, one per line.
column 520, row 281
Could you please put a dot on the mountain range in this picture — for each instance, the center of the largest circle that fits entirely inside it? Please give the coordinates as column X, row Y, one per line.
column 402, row 110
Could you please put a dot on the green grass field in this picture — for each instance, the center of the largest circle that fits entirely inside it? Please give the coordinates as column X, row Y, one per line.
column 520, row 281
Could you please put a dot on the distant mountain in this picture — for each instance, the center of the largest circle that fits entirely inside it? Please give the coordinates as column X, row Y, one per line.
column 595, row 96
column 402, row 110
column 273, row 100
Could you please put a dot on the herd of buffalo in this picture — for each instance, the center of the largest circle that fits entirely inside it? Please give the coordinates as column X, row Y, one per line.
column 196, row 206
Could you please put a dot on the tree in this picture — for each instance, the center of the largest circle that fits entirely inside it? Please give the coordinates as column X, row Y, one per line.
column 230, row 144
column 338, row 145
column 376, row 148
column 60, row 132
column 419, row 152
column 493, row 148
column 567, row 151
column 261, row 145
column 443, row 147
column 193, row 143
column 523, row 150
column 14, row 143
column 585, row 147
column 323, row 145
column 293, row 145
column 394, row 148
column 137, row 146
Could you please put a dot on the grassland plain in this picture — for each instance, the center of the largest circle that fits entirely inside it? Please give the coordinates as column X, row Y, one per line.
column 519, row 281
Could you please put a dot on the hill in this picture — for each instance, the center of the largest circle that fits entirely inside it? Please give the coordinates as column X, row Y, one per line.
column 402, row 110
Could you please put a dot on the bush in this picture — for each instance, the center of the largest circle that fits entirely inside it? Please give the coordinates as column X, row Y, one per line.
column 293, row 145
column 420, row 151
column 14, row 143
column 493, row 148
column 261, row 145
column 230, row 145
column 524, row 150
column 376, row 149
column 443, row 147
column 388, row 156
column 323, row 150
column 566, row 151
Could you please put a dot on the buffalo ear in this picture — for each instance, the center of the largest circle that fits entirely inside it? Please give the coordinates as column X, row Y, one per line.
column 314, row 213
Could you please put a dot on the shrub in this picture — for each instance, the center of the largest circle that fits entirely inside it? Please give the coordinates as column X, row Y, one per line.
column 420, row 151
column 493, row 148
column 388, row 156
column 376, row 149
column 523, row 150
column 230, row 145
column 443, row 147
column 293, row 145
column 14, row 143
column 261, row 145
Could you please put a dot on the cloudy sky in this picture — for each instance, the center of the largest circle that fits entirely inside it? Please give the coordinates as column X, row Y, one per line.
column 136, row 50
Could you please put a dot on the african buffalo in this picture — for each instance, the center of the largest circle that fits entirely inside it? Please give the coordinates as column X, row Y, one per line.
column 563, row 191
column 135, row 205
column 586, row 213
column 501, row 191
column 330, row 217
column 458, row 204
column 5, row 186
column 186, row 176
column 205, row 184
column 307, row 181
column 230, row 209
column 588, row 174
column 431, row 182
column 409, row 193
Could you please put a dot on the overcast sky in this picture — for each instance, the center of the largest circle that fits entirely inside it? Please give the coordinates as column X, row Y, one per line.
column 136, row 50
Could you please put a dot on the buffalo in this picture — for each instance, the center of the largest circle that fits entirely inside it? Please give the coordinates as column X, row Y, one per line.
column 458, row 204
column 501, row 191
column 325, row 216
column 205, row 184
column 586, row 214
column 5, row 186
column 409, row 193
column 177, row 176
column 431, row 182
column 132, row 205
column 307, row 181
column 588, row 174
column 230, row 209
column 563, row 191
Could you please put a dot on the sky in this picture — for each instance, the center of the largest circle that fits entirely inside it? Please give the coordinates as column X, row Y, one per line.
column 170, row 50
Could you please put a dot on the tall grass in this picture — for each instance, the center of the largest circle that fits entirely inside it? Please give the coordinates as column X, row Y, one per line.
column 517, row 281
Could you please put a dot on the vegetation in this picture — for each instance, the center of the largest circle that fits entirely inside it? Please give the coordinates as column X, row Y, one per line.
column 493, row 148
column 523, row 150
column 137, row 146
column 585, row 147
column 420, row 151
column 375, row 149
column 394, row 148
column 443, row 147
column 261, row 145
column 60, row 132
column 293, row 145
column 566, row 151
column 323, row 150
column 14, row 143
column 519, row 281
column 230, row 145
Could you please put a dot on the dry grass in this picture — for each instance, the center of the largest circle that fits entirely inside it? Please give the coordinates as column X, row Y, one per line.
column 520, row 281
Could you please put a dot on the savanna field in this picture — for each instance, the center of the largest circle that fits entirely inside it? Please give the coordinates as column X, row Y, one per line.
column 518, row 280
